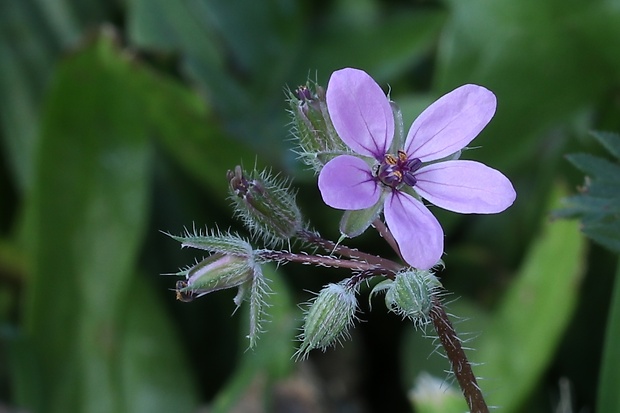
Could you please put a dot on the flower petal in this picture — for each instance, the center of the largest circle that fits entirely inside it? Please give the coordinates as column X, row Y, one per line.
column 465, row 187
column 360, row 112
column 346, row 182
column 450, row 123
column 416, row 230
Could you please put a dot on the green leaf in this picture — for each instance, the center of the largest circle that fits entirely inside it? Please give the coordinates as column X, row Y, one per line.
column 271, row 358
column 606, row 232
column 152, row 367
column 527, row 52
column 610, row 140
column 24, row 73
column 608, row 399
column 384, row 49
column 86, row 218
column 595, row 167
column 523, row 334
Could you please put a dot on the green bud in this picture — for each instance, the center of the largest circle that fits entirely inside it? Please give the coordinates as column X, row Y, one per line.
column 218, row 272
column 410, row 294
column 266, row 205
column 328, row 319
column 312, row 126
column 231, row 264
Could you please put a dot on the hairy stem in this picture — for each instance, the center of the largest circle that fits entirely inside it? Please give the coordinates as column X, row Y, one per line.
column 460, row 365
column 322, row 261
column 331, row 247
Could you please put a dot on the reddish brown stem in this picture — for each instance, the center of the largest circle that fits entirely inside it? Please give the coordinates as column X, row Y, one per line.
column 321, row 261
column 332, row 247
column 460, row 365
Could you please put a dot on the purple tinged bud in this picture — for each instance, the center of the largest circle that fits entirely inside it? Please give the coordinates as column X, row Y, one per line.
column 218, row 272
column 312, row 126
column 303, row 94
column 266, row 205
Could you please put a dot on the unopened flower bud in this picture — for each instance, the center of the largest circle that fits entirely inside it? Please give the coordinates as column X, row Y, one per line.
column 217, row 272
column 410, row 294
column 328, row 319
column 231, row 264
column 266, row 205
column 312, row 126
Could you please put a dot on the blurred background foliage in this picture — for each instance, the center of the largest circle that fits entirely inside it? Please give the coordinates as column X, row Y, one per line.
column 119, row 119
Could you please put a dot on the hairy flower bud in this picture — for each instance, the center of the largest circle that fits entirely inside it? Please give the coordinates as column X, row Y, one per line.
column 266, row 205
column 410, row 294
column 328, row 319
column 231, row 264
column 217, row 272
column 312, row 126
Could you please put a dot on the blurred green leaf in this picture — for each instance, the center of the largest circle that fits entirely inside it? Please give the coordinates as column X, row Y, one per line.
column 153, row 368
column 87, row 217
column 598, row 204
column 610, row 140
column 595, row 167
column 608, row 399
column 271, row 359
column 235, row 69
column 385, row 48
column 535, row 56
column 523, row 334
column 32, row 35
column 189, row 131
column 27, row 51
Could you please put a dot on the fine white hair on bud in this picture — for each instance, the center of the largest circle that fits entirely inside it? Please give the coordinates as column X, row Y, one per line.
column 328, row 319
column 312, row 127
column 265, row 204
column 215, row 242
column 410, row 294
column 231, row 264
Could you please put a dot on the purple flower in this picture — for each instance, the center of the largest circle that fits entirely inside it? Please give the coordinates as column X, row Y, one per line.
column 400, row 173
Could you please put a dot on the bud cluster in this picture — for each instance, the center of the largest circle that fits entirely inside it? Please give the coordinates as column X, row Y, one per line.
column 374, row 184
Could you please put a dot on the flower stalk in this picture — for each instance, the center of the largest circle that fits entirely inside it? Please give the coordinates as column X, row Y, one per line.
column 461, row 367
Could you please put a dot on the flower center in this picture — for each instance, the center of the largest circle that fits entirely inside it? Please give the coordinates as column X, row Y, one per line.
column 395, row 170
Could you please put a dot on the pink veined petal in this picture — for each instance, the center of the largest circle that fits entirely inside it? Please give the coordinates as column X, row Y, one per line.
column 465, row 187
column 416, row 230
column 450, row 123
column 346, row 182
column 360, row 112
